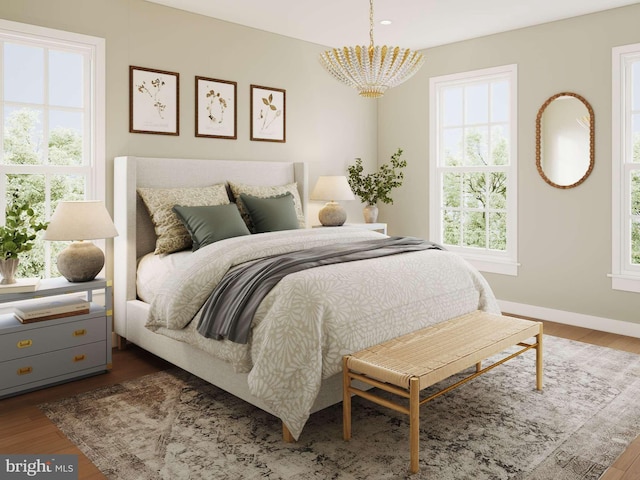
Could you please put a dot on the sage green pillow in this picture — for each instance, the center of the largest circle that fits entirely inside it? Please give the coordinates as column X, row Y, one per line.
column 209, row 224
column 272, row 213
column 265, row 191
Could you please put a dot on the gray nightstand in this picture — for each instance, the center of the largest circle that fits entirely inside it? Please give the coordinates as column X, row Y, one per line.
column 39, row 354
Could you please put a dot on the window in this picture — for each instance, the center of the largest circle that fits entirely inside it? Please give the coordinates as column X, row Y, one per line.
column 473, row 175
column 626, row 168
column 51, row 125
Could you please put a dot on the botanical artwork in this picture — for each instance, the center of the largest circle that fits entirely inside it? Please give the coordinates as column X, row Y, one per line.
column 268, row 112
column 215, row 108
column 154, row 101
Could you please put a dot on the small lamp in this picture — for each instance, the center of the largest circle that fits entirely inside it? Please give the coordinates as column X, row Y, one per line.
column 332, row 188
column 85, row 220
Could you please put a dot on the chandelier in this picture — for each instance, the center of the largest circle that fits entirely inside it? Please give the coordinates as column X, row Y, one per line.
column 371, row 70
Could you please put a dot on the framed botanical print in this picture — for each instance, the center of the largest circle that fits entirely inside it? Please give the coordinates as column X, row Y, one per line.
column 216, row 102
column 154, row 101
column 268, row 114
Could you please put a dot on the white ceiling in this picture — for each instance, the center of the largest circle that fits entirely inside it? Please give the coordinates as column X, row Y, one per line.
column 416, row 24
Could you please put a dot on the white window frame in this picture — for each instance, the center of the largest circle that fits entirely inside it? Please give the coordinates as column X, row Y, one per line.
column 624, row 275
column 94, row 99
column 486, row 260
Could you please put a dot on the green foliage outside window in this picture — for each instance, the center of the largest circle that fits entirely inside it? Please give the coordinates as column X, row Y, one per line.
column 475, row 202
column 22, row 144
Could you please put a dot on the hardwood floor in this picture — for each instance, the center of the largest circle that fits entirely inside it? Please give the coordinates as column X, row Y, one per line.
column 25, row 430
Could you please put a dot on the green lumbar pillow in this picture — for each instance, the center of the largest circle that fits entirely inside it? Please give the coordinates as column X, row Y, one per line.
column 272, row 213
column 209, row 224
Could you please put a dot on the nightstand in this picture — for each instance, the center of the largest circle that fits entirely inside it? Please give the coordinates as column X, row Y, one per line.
column 377, row 227
column 44, row 353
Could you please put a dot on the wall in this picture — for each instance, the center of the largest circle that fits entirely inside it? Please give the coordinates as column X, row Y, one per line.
column 564, row 235
column 328, row 124
column 564, row 245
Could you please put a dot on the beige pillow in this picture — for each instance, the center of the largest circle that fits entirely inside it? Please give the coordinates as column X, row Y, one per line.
column 172, row 234
column 267, row 191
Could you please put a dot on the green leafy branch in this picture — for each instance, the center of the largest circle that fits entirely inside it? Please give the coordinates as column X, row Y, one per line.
column 20, row 229
column 374, row 187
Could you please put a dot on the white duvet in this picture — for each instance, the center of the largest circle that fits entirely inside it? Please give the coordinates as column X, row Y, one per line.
column 312, row 318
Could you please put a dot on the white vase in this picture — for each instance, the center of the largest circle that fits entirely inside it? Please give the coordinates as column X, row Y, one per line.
column 370, row 213
column 8, row 268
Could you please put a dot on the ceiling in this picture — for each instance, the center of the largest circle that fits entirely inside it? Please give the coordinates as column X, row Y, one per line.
column 416, row 24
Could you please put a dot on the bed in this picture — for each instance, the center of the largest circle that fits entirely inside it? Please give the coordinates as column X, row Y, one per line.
column 290, row 367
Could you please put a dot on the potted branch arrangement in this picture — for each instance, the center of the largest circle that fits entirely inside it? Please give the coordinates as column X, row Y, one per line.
column 376, row 187
column 16, row 236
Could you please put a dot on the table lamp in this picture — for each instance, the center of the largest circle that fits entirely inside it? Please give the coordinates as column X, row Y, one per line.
column 78, row 221
column 331, row 188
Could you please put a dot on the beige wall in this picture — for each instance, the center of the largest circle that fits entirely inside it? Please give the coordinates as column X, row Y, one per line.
column 564, row 235
column 327, row 123
column 564, row 245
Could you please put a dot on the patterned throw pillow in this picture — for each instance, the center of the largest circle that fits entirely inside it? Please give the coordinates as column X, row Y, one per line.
column 266, row 191
column 171, row 233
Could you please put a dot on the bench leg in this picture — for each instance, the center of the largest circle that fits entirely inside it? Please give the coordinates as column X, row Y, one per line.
column 346, row 401
column 539, row 360
column 414, row 423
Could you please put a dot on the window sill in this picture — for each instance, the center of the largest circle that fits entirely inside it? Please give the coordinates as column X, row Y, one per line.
column 492, row 265
column 627, row 283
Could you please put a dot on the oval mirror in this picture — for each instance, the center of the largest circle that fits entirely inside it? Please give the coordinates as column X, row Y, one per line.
column 565, row 140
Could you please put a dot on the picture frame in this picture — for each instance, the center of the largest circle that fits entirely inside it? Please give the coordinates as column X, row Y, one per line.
column 154, row 101
column 216, row 106
column 268, row 114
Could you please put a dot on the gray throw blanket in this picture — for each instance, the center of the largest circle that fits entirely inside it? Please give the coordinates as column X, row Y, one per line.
column 229, row 311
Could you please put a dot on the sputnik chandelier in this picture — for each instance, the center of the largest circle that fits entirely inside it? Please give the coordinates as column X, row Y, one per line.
column 371, row 70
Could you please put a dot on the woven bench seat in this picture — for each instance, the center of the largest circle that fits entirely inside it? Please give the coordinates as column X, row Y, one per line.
column 413, row 362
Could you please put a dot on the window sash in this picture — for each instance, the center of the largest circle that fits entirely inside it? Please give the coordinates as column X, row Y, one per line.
column 625, row 275
column 92, row 169
column 484, row 258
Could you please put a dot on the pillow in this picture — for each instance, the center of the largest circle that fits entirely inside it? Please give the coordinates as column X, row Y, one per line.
column 210, row 224
column 264, row 191
column 171, row 233
column 272, row 213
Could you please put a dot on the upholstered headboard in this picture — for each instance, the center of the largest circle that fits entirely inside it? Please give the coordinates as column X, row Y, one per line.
column 136, row 234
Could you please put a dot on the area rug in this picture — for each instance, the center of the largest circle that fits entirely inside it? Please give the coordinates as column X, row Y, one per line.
column 171, row 425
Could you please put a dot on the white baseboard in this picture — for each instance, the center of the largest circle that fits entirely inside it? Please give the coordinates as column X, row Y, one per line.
column 570, row 318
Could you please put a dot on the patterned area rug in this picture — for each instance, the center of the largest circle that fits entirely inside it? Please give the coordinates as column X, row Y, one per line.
column 171, row 425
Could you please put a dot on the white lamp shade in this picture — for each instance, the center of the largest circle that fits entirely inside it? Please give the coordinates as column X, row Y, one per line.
column 332, row 187
column 83, row 220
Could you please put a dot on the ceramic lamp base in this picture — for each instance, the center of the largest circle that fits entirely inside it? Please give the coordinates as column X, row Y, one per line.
column 80, row 262
column 332, row 215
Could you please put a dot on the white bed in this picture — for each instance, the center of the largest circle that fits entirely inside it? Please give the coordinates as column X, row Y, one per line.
column 137, row 238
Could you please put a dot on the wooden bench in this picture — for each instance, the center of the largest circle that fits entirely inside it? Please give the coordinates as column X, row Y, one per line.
column 406, row 365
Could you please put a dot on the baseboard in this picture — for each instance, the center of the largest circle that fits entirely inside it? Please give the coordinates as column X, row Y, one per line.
column 570, row 318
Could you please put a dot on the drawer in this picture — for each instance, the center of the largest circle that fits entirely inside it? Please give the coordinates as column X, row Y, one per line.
column 50, row 337
column 49, row 366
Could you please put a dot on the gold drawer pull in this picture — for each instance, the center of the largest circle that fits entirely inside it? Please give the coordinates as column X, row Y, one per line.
column 25, row 370
column 79, row 358
column 24, row 343
column 79, row 333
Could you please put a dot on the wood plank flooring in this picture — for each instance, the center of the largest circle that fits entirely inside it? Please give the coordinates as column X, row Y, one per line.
column 25, row 430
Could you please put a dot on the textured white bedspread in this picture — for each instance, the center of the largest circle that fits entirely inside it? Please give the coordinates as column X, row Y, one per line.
column 312, row 318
